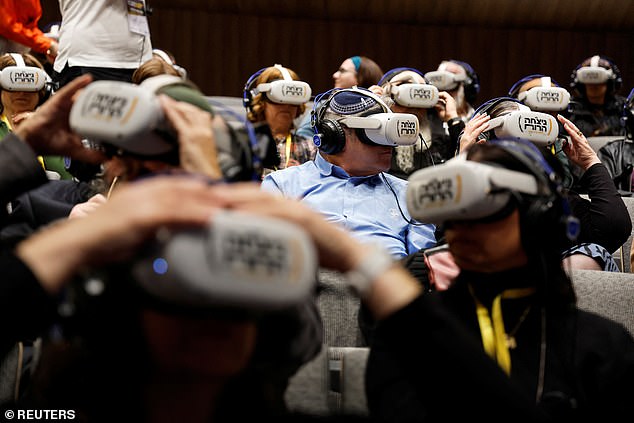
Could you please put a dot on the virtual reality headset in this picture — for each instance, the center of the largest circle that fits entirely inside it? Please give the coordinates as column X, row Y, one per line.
column 391, row 129
column 461, row 189
column 539, row 128
column 285, row 91
column 23, row 78
column 238, row 261
column 126, row 116
column 547, row 99
column 594, row 75
column 444, row 80
column 422, row 96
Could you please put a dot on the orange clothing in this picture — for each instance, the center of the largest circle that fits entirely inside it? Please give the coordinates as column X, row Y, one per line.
column 18, row 23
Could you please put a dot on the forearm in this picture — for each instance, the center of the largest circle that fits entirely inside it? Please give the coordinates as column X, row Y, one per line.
column 57, row 252
column 605, row 219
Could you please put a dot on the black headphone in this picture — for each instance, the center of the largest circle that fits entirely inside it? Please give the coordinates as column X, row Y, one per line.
column 248, row 90
column 472, row 84
column 549, row 213
column 486, row 107
column 614, row 83
column 330, row 136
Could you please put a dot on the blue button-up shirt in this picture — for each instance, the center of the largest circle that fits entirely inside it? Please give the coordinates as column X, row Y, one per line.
column 366, row 205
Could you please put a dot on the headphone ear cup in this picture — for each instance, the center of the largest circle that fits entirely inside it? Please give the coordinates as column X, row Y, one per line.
column 545, row 219
column 332, row 137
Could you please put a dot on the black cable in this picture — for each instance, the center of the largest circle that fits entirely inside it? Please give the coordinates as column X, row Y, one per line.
column 427, row 149
column 409, row 221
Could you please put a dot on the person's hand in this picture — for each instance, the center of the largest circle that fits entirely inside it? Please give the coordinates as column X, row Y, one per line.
column 116, row 229
column 47, row 130
column 336, row 248
column 51, row 53
column 196, row 140
column 376, row 89
column 476, row 126
column 446, row 106
column 87, row 207
column 578, row 149
column 19, row 118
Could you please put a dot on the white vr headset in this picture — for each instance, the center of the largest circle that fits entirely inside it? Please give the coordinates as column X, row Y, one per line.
column 461, row 189
column 594, row 75
column 539, row 128
column 285, row 91
column 239, row 261
column 22, row 77
column 545, row 98
column 445, row 80
column 391, row 129
column 423, row 96
column 124, row 115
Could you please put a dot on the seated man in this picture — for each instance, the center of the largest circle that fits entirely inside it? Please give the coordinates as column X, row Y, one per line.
column 347, row 180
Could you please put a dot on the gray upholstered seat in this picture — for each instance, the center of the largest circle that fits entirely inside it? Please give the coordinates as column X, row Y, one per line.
column 334, row 382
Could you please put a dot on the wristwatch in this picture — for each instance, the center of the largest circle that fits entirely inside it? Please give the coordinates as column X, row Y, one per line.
column 373, row 265
column 453, row 121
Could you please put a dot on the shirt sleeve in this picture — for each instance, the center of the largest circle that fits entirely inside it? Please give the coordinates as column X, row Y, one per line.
column 26, row 33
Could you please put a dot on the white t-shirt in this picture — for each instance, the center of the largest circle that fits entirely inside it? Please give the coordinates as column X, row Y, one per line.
column 96, row 33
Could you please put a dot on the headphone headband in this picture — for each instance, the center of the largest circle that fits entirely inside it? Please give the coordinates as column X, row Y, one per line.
column 393, row 72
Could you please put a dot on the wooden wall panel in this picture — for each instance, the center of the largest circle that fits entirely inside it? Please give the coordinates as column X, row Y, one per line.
column 222, row 43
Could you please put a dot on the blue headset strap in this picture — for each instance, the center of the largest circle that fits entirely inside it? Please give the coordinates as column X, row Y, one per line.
column 527, row 148
column 248, row 88
column 518, row 84
column 393, row 72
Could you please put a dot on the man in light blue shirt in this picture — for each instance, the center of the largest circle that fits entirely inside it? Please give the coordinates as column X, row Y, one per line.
column 356, row 133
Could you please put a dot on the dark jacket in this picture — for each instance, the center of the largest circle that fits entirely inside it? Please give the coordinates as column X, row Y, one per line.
column 594, row 120
column 427, row 362
column 618, row 158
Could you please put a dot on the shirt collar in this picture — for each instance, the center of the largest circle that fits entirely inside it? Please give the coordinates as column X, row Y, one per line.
column 327, row 169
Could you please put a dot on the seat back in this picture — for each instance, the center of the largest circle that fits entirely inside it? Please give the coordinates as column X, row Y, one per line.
column 331, row 383
column 339, row 309
column 599, row 141
column 609, row 294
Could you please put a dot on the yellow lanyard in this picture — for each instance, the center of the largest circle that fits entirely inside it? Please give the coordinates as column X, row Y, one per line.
column 493, row 334
column 5, row 119
column 288, row 150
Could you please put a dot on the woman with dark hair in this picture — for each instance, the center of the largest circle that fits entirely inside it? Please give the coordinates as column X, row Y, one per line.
column 357, row 70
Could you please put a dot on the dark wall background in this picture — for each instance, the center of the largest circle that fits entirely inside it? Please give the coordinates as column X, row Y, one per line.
column 221, row 43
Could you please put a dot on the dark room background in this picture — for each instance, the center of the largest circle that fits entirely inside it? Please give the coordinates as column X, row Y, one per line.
column 222, row 42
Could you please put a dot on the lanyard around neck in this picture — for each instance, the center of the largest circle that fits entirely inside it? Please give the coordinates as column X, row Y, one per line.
column 494, row 337
column 288, row 149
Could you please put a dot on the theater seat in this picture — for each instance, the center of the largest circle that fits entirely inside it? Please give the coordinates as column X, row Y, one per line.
column 334, row 381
